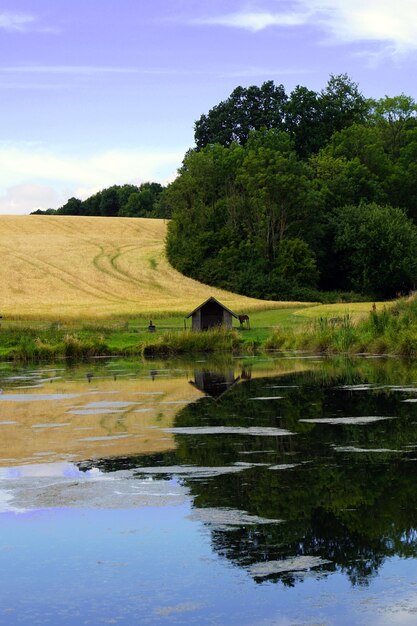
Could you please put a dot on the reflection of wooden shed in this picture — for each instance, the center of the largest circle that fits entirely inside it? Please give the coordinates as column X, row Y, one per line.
column 214, row 384
column 210, row 314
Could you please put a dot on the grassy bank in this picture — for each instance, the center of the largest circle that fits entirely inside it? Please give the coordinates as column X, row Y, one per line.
column 26, row 339
column 334, row 329
column 390, row 330
column 29, row 344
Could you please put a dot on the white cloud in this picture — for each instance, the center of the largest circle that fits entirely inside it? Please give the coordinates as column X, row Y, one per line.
column 22, row 23
column 254, row 20
column 27, row 197
column 15, row 22
column 32, row 178
column 393, row 24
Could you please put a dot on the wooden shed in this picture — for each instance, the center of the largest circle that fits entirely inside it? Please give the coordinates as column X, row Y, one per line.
column 210, row 314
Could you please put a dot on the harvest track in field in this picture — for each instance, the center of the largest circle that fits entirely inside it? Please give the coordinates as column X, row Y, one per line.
column 91, row 267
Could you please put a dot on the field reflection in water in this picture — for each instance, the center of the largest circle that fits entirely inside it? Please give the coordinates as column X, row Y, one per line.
column 247, row 492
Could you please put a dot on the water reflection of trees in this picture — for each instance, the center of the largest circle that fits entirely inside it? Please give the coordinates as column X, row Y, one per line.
column 354, row 509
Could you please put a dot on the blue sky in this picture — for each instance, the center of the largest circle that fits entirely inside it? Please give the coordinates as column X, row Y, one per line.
column 99, row 92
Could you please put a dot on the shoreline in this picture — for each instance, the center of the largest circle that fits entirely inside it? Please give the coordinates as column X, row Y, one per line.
column 384, row 331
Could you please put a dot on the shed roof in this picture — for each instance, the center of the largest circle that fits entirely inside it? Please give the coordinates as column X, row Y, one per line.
column 212, row 299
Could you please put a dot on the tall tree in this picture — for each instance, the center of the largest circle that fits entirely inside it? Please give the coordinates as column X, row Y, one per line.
column 278, row 184
column 342, row 104
column 73, row 206
column 246, row 109
column 303, row 120
column 395, row 116
column 109, row 203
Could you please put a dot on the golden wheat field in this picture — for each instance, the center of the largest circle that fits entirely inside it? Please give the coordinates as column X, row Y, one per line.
column 94, row 267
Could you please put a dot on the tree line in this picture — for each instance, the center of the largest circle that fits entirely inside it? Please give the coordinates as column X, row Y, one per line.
column 117, row 201
column 284, row 195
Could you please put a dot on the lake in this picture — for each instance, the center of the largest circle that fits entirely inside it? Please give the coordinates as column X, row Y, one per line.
column 253, row 491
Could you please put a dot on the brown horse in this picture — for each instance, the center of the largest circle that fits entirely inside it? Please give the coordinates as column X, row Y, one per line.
column 244, row 321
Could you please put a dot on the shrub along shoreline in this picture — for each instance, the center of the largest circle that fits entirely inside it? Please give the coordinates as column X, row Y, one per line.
column 391, row 330
column 29, row 345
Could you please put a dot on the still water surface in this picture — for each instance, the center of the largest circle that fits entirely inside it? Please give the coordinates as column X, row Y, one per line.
column 255, row 492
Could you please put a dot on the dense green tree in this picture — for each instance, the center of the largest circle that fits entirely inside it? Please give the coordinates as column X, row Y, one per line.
column 233, row 207
column 312, row 159
column 119, row 200
column 46, row 212
column 377, row 248
column 364, row 143
column 141, row 202
column 203, row 219
column 303, row 121
column 340, row 180
column 401, row 184
column 132, row 207
column 342, row 104
column 71, row 207
column 277, row 183
column 109, row 202
column 91, row 206
column 312, row 118
column 309, row 117
column 395, row 116
column 246, row 109
column 296, row 262
column 124, row 192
